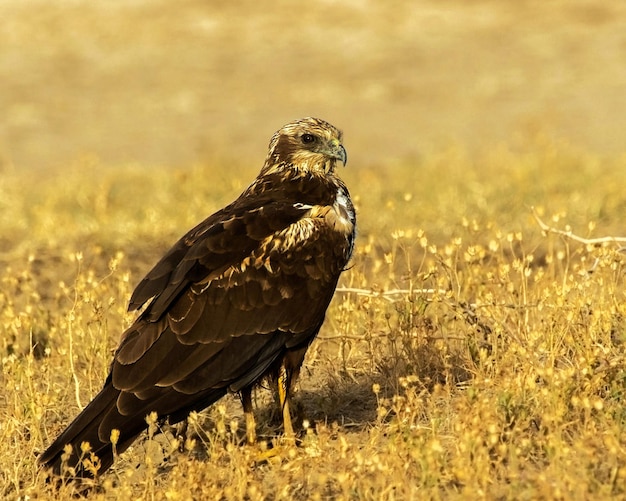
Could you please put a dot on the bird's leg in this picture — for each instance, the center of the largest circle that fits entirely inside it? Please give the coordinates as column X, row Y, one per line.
column 246, row 400
column 284, row 384
column 181, row 432
column 283, row 381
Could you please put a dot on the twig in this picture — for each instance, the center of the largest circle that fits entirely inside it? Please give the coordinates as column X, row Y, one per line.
column 572, row 236
column 392, row 292
column 388, row 295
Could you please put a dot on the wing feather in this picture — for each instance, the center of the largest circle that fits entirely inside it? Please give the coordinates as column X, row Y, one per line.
column 137, row 340
column 202, row 325
column 185, row 313
column 206, row 303
column 232, row 366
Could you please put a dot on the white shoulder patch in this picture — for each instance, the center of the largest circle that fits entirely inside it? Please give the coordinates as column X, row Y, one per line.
column 343, row 207
column 298, row 205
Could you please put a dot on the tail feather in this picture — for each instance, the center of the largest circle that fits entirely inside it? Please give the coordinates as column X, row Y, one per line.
column 95, row 422
column 84, row 428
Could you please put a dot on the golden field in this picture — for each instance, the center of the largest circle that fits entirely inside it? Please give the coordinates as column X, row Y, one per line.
column 466, row 355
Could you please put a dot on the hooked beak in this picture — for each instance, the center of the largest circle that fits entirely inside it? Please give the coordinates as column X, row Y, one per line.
column 337, row 151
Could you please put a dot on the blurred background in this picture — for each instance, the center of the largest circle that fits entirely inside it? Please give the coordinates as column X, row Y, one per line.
column 172, row 83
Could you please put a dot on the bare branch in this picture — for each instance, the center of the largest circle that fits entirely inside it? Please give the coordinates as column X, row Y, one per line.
column 388, row 295
column 572, row 236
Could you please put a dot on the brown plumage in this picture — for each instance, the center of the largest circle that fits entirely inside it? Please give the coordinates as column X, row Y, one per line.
column 239, row 298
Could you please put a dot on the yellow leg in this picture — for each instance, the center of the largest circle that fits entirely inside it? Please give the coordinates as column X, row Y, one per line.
column 246, row 400
column 289, row 437
column 283, row 396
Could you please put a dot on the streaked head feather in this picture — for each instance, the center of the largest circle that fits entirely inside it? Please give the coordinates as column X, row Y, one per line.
column 308, row 145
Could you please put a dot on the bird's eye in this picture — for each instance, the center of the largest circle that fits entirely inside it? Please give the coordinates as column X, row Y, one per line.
column 308, row 138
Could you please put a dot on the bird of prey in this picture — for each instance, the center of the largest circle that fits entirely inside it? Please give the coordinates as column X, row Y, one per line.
column 237, row 299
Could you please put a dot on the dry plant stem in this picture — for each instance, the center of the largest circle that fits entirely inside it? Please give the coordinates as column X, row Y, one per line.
column 388, row 295
column 572, row 236
column 71, row 340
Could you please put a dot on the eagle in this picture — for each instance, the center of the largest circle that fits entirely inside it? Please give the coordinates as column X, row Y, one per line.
column 236, row 301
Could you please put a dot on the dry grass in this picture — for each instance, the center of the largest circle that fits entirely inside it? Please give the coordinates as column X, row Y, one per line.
column 496, row 369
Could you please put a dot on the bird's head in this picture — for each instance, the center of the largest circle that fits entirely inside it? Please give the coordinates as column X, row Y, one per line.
column 309, row 145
